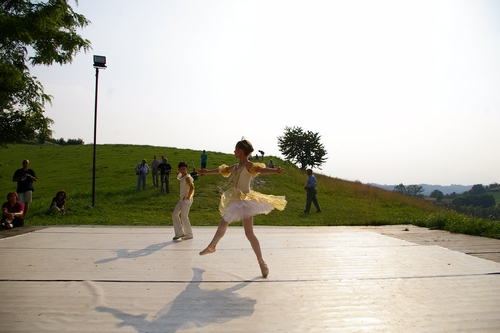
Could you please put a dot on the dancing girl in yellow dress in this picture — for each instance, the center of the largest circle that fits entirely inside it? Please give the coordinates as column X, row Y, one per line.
column 242, row 203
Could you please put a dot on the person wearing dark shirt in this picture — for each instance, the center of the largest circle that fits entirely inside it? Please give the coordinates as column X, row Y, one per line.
column 194, row 174
column 58, row 202
column 165, row 169
column 25, row 178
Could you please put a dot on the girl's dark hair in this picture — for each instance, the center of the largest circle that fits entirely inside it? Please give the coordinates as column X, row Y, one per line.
column 182, row 164
column 61, row 192
column 246, row 146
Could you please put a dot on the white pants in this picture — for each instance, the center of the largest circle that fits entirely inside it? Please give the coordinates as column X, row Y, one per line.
column 25, row 197
column 182, row 226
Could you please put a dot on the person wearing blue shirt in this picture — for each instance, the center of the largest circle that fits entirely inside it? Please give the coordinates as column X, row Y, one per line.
column 204, row 158
column 311, row 192
column 141, row 170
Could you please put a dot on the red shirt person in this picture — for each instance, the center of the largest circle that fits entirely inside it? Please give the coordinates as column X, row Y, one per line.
column 12, row 212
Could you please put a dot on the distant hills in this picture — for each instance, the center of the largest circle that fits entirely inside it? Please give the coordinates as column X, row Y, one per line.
column 429, row 188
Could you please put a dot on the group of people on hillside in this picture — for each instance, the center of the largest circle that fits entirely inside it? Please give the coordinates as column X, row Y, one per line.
column 159, row 168
column 240, row 203
column 15, row 209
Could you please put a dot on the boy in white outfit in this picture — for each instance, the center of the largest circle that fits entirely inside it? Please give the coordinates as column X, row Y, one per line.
column 182, row 226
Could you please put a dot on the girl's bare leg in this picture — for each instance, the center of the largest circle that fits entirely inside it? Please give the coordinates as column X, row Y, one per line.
column 248, row 226
column 221, row 230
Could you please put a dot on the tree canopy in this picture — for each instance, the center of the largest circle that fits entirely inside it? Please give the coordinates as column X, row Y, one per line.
column 411, row 190
column 437, row 194
column 477, row 189
column 475, row 200
column 34, row 33
column 302, row 147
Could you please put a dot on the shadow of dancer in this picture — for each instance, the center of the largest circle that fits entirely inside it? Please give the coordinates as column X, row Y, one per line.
column 193, row 307
column 125, row 254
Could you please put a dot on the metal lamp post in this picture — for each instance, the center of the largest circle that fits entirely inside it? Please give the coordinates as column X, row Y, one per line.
column 99, row 63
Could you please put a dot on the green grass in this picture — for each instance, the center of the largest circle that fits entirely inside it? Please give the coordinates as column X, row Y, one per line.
column 118, row 203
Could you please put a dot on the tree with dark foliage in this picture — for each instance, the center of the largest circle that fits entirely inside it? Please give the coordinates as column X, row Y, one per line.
column 438, row 195
column 411, row 190
column 301, row 147
column 477, row 189
column 35, row 33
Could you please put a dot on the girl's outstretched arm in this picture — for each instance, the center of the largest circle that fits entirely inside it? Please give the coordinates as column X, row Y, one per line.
column 208, row 172
column 269, row 171
column 228, row 169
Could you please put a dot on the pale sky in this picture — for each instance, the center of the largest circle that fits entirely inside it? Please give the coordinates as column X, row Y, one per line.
column 400, row 91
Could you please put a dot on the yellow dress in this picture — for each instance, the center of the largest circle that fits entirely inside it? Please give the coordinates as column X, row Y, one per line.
column 242, row 202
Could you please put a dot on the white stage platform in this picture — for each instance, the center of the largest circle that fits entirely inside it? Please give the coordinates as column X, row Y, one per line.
column 322, row 279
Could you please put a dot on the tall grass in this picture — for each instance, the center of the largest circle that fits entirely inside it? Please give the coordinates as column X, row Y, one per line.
column 118, row 203
column 458, row 223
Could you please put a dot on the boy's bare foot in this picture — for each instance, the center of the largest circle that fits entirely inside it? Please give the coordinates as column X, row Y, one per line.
column 208, row 250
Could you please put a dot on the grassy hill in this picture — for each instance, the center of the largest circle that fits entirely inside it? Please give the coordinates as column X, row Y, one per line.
column 118, row 203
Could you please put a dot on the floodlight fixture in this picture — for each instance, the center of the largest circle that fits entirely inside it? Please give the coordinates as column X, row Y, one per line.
column 99, row 61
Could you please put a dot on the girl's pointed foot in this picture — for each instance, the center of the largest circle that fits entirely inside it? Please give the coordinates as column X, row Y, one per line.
column 264, row 269
column 208, row 250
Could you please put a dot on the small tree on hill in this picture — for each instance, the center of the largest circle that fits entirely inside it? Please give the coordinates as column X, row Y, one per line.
column 301, row 147
column 400, row 188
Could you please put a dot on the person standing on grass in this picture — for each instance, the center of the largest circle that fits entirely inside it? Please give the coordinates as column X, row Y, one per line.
column 311, row 191
column 154, row 171
column 242, row 203
column 25, row 177
column 165, row 169
column 261, row 153
column 204, row 158
column 182, row 225
column 141, row 170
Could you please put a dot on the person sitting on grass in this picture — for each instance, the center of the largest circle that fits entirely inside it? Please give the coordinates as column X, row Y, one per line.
column 58, row 202
column 12, row 212
column 194, row 174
